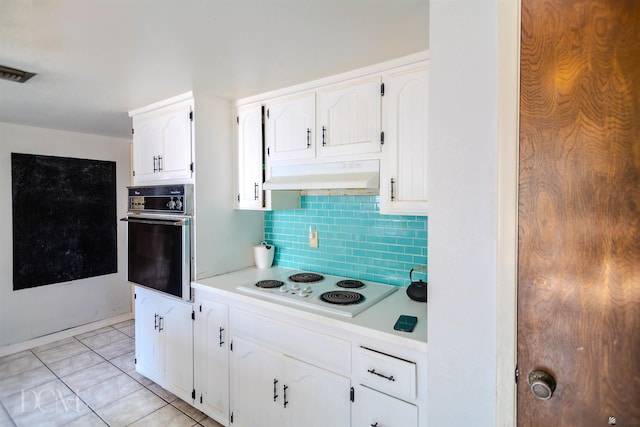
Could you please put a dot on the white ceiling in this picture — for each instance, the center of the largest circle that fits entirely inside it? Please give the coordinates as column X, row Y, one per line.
column 98, row 59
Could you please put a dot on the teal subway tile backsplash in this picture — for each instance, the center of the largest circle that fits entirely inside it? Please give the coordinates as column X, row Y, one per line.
column 354, row 239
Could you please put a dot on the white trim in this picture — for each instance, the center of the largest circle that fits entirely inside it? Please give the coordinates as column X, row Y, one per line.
column 506, row 291
column 315, row 84
column 67, row 333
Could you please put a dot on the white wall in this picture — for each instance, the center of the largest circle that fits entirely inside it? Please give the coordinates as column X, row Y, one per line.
column 34, row 312
column 463, row 205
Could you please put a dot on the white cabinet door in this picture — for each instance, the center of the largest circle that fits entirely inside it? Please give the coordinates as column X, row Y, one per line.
column 175, row 137
column 290, row 127
column 164, row 341
column 249, row 157
column 149, row 355
column 403, row 169
column 348, row 118
column 256, row 385
column 372, row 408
column 314, row 397
column 146, row 147
column 176, row 327
column 162, row 142
column 211, row 358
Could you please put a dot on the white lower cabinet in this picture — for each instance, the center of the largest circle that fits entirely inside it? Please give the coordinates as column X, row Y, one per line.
column 164, row 341
column 269, row 388
column 372, row 408
column 248, row 366
column 211, row 357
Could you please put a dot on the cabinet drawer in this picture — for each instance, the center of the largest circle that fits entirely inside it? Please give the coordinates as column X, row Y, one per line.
column 315, row 348
column 376, row 409
column 386, row 373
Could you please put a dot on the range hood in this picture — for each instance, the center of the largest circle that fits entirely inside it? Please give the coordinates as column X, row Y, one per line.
column 359, row 175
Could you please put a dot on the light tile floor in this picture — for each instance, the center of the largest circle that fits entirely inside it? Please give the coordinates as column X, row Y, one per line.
column 88, row 380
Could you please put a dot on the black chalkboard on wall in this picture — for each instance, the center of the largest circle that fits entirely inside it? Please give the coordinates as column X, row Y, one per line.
column 64, row 219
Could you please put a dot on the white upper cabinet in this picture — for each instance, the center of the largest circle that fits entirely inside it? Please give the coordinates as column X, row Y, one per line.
column 249, row 166
column 403, row 168
column 162, row 144
column 348, row 118
column 249, row 157
column 290, row 127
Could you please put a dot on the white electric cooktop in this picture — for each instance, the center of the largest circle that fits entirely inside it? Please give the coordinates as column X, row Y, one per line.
column 321, row 292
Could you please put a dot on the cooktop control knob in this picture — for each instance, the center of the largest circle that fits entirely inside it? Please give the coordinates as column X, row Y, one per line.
column 295, row 286
column 306, row 291
column 283, row 289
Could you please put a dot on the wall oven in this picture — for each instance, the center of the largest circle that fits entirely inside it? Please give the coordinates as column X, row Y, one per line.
column 159, row 227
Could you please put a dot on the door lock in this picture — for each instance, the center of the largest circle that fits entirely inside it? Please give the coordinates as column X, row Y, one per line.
column 541, row 384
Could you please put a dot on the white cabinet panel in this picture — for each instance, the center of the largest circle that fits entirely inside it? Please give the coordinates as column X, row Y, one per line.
column 177, row 327
column 249, row 157
column 372, row 408
column 211, row 370
column 162, row 143
column 149, row 359
column 348, row 118
column 403, row 169
column 256, row 385
column 164, row 341
column 388, row 374
column 290, row 127
column 315, row 397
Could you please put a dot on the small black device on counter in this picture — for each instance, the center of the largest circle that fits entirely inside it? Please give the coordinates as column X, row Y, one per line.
column 405, row 323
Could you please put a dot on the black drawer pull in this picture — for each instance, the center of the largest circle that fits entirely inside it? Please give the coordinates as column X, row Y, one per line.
column 373, row 371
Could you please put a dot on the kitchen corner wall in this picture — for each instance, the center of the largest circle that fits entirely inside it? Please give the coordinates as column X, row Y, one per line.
column 354, row 239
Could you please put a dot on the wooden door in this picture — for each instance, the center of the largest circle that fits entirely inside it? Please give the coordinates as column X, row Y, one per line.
column 579, row 211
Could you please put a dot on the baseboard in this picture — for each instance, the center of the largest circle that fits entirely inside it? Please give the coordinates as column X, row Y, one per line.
column 56, row 336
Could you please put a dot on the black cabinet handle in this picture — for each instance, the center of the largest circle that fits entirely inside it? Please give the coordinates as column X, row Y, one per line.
column 155, row 159
column 160, row 328
column 373, row 371
column 155, row 321
column 286, row 402
column 308, row 138
column 221, row 341
column 159, row 163
column 324, row 131
column 275, row 389
column 392, row 195
column 255, row 191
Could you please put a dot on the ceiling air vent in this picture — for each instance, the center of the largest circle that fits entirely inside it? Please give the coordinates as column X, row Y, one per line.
column 14, row 75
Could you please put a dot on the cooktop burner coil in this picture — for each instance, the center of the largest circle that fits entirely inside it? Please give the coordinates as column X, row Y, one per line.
column 306, row 277
column 350, row 284
column 342, row 297
column 269, row 284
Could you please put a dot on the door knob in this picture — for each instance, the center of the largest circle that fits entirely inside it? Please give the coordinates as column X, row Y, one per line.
column 542, row 384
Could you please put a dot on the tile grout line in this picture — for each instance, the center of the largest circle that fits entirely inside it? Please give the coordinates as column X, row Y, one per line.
column 146, row 387
column 67, row 385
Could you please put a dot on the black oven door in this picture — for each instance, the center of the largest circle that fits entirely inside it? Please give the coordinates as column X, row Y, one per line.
column 159, row 254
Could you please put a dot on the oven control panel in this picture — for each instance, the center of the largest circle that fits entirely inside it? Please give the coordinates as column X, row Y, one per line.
column 172, row 199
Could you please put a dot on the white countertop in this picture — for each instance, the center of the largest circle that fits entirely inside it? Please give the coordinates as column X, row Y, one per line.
column 376, row 322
